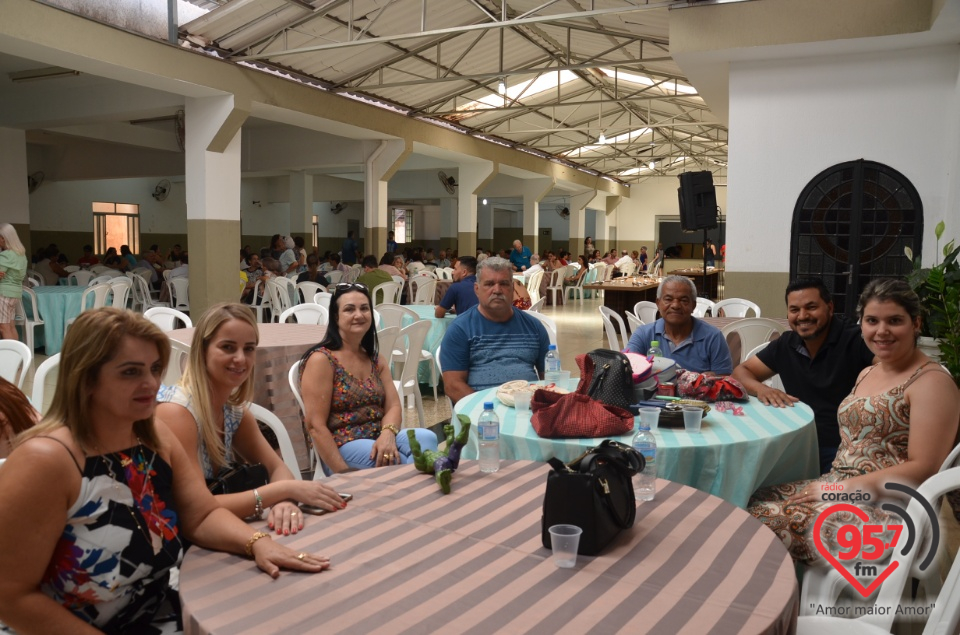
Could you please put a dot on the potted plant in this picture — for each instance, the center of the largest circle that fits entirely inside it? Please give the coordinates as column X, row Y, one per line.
column 939, row 290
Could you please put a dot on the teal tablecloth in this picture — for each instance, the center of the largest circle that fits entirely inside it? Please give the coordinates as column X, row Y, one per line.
column 438, row 327
column 57, row 304
column 730, row 458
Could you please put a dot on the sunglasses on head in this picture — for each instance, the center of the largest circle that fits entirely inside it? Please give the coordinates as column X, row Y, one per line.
column 343, row 287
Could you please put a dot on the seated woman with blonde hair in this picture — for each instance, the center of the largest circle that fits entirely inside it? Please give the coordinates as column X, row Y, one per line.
column 898, row 424
column 17, row 414
column 208, row 413
column 97, row 502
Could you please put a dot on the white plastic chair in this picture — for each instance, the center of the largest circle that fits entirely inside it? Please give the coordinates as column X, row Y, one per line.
column 633, row 322
column 293, row 378
column 306, row 290
column 548, row 323
column 576, row 290
column 393, row 315
column 407, row 385
column 426, row 290
column 103, row 279
column 323, row 299
column 31, row 322
column 166, row 318
column 752, row 332
column 704, row 306
column 15, row 360
column 121, row 288
column 49, row 365
column 334, row 277
column 555, row 285
column 142, row 298
column 773, row 382
column 537, row 306
column 179, row 293
column 387, row 292
column 533, row 286
column 279, row 298
column 99, row 293
column 35, row 278
column 613, row 340
column 179, row 356
column 628, row 269
column 80, row 278
column 735, row 307
column 287, row 453
column 646, row 311
column 306, row 314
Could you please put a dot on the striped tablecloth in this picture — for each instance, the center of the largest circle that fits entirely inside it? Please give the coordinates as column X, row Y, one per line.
column 281, row 345
column 731, row 457
column 407, row 559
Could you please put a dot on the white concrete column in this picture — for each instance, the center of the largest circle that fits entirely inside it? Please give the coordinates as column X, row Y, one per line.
column 301, row 204
column 578, row 218
column 449, row 222
column 533, row 192
column 13, row 182
column 381, row 165
column 213, row 198
column 473, row 177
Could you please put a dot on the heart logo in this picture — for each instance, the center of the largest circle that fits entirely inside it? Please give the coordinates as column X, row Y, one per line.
column 833, row 560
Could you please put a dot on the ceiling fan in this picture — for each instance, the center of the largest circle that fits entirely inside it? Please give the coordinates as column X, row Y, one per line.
column 161, row 191
column 449, row 183
column 339, row 207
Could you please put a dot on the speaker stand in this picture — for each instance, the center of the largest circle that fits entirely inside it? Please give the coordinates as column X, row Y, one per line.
column 703, row 289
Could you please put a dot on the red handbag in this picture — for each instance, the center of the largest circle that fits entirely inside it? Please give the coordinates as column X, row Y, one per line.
column 709, row 388
column 558, row 416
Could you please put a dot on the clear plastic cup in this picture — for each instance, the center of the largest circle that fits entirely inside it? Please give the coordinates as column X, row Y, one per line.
column 650, row 417
column 565, row 541
column 692, row 416
column 551, row 377
column 564, row 378
column 521, row 401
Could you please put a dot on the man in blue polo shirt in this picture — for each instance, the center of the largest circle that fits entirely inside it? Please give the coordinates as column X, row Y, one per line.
column 461, row 294
column 520, row 256
column 818, row 361
column 692, row 343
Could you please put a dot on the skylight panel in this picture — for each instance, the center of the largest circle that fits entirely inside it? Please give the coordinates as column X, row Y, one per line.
column 526, row 89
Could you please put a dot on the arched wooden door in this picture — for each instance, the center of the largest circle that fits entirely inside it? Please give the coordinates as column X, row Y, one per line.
column 850, row 224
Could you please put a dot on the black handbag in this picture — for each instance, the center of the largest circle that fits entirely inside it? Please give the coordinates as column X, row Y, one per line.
column 238, row 478
column 593, row 492
column 607, row 376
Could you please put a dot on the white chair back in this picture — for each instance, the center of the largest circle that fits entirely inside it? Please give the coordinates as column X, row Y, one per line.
column 179, row 356
column 306, row 314
column 613, row 339
column 15, row 360
column 37, row 395
column 166, row 318
column 293, row 378
column 36, row 279
column 533, row 286
column 393, row 314
column 646, row 311
column 555, row 284
column 773, row 382
column 287, row 453
column 104, row 279
column 752, row 333
column 307, row 290
column 334, row 277
column 548, row 324
column 121, row 291
column 735, row 307
column 414, row 334
column 279, row 298
column 633, row 322
column 99, row 293
column 538, row 305
column 323, row 299
column 386, row 292
column 704, row 306
column 628, row 269
column 179, row 293
column 29, row 322
column 426, row 290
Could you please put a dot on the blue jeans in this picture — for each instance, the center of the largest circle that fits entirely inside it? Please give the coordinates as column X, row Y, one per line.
column 357, row 453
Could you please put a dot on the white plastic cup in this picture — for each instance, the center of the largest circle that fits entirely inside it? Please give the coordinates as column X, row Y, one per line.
column 551, row 377
column 521, row 400
column 564, row 378
column 692, row 416
column 650, row 417
column 565, row 540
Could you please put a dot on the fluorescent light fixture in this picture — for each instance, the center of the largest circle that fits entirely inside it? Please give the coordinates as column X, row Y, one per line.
column 49, row 72
column 502, row 88
column 603, row 139
column 484, row 201
column 652, row 165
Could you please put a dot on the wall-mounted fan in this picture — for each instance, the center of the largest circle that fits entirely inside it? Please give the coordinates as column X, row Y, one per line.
column 563, row 211
column 449, row 183
column 339, row 207
column 161, row 191
column 34, row 181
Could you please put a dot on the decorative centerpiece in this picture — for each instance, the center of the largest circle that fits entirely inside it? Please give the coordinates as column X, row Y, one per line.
column 441, row 463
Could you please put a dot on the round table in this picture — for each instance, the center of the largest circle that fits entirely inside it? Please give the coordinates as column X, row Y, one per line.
column 57, row 304
column 407, row 559
column 281, row 346
column 731, row 457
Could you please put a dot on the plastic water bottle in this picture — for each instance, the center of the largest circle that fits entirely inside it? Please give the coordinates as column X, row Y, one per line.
column 654, row 350
column 645, row 482
column 488, row 431
column 551, row 364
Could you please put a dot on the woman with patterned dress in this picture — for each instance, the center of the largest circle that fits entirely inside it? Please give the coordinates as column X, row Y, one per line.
column 96, row 501
column 897, row 425
column 352, row 407
column 208, row 413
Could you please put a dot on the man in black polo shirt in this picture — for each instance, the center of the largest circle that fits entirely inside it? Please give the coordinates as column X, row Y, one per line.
column 818, row 362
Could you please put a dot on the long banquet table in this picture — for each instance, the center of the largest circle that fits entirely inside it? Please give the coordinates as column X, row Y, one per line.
column 407, row 559
column 731, row 457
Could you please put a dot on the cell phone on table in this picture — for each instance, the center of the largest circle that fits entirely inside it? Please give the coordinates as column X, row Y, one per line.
column 320, row 511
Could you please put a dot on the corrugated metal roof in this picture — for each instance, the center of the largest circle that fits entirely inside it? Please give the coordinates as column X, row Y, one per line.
column 437, row 58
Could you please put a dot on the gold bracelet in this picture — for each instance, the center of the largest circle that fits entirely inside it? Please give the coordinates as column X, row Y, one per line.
column 255, row 537
column 394, row 429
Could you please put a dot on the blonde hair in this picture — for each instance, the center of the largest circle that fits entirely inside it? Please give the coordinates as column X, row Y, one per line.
column 91, row 342
column 12, row 240
column 195, row 381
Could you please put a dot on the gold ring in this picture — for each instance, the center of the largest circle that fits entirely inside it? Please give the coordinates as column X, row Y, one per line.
column 301, row 556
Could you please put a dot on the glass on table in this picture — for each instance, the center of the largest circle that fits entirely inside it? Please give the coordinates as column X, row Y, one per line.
column 650, row 417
